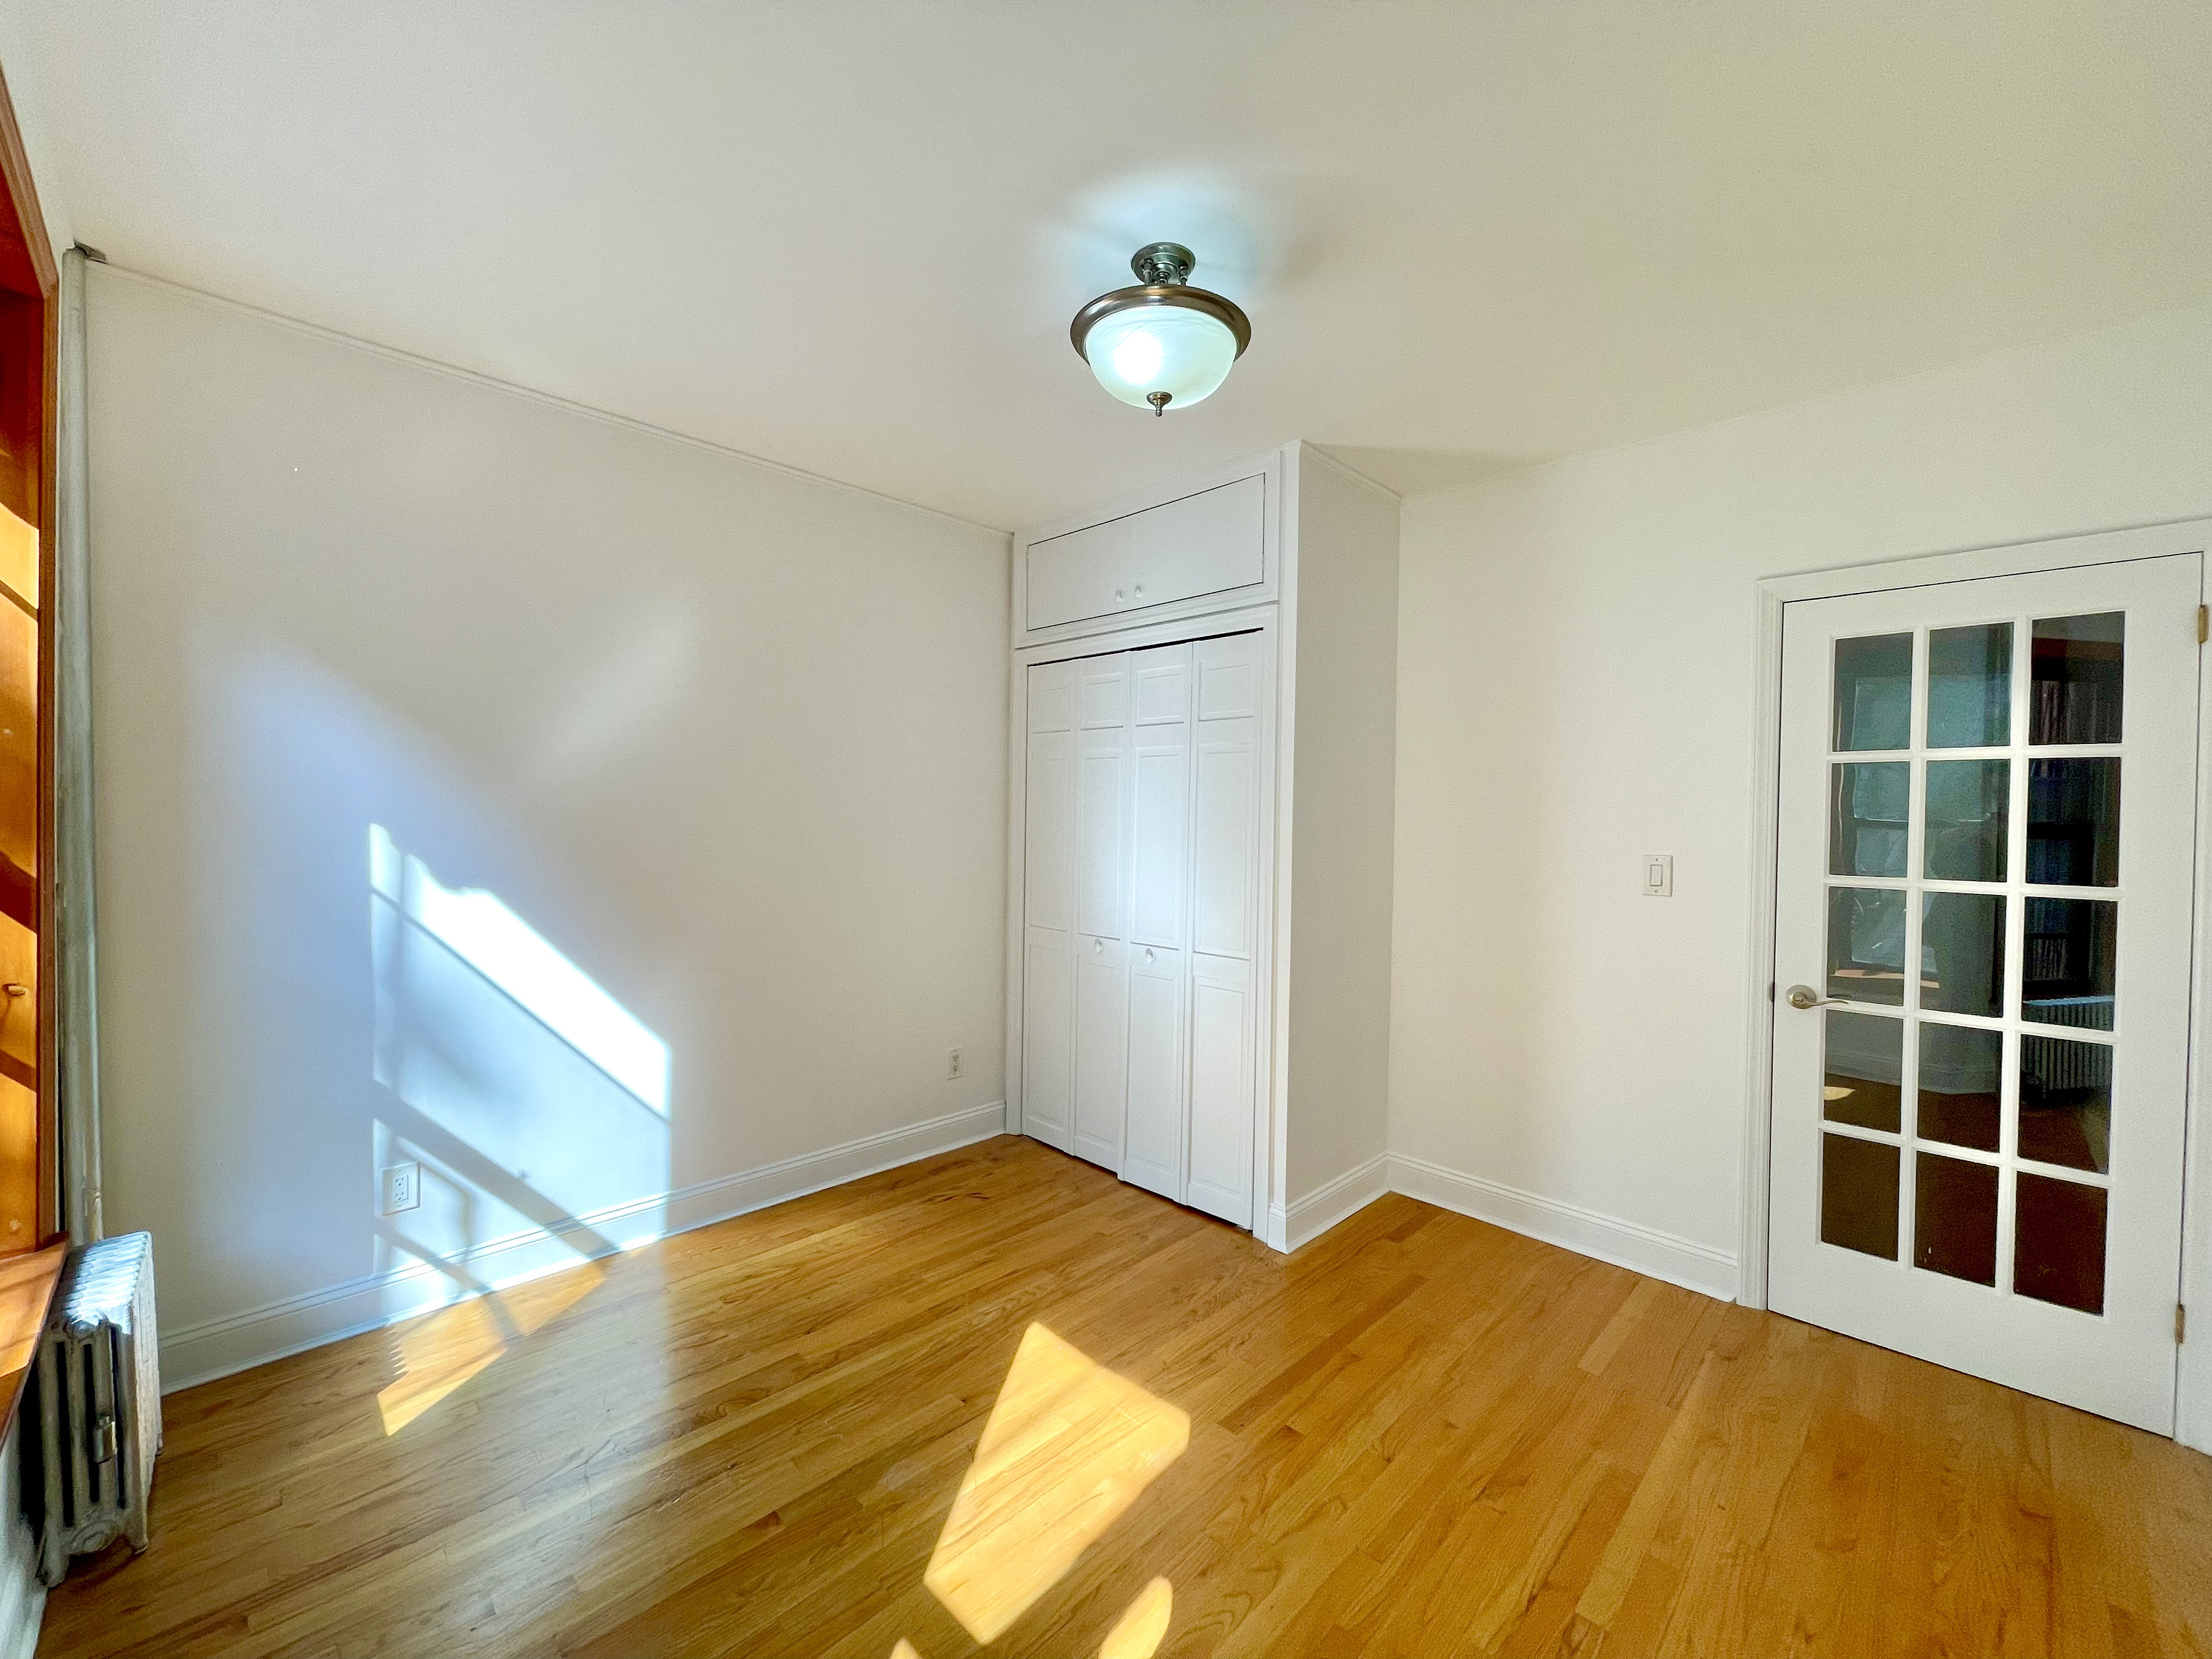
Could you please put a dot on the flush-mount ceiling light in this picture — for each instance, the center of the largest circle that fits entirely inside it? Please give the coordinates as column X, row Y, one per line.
column 1164, row 342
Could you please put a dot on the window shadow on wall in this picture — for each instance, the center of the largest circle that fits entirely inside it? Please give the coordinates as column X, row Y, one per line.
column 533, row 1106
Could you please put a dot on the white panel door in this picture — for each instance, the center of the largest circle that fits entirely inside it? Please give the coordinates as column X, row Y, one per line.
column 1152, row 1155
column 1102, row 807
column 1982, row 946
column 1224, row 902
column 1048, row 909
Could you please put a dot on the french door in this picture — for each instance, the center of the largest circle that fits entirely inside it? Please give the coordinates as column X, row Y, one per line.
column 1986, row 842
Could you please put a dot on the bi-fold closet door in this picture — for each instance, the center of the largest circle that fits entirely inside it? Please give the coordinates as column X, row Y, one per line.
column 1141, row 910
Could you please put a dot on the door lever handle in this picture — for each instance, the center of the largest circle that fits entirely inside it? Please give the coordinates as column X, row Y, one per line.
column 1804, row 996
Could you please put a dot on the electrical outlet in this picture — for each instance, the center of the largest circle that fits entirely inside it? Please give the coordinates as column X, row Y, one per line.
column 953, row 1065
column 1658, row 875
column 402, row 1188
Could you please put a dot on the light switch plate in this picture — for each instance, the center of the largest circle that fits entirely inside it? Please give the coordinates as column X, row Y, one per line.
column 1658, row 875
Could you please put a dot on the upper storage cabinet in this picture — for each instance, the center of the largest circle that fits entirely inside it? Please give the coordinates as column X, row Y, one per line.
column 1213, row 542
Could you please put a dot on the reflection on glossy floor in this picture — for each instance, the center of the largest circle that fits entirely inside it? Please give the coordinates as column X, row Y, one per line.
column 1421, row 1435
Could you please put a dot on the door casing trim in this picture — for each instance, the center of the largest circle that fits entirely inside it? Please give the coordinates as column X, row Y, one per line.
column 2193, row 1391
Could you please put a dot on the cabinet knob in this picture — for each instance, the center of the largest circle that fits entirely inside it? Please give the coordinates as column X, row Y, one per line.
column 1148, row 954
column 1098, row 944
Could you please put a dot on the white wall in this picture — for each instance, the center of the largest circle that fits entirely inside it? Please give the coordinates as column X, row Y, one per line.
column 1344, row 710
column 1575, row 689
column 729, row 741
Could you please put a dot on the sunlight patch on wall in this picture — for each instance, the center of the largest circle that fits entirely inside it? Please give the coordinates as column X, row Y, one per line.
column 1070, row 1445
column 507, row 951
column 533, row 1106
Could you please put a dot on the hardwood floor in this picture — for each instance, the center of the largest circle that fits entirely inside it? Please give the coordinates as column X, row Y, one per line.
column 1420, row 1435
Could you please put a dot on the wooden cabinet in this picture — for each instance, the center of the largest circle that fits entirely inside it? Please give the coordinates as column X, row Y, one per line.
column 1159, row 663
column 27, row 1212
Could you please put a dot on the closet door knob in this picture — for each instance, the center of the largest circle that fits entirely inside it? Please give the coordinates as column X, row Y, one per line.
column 1098, row 944
column 1148, row 954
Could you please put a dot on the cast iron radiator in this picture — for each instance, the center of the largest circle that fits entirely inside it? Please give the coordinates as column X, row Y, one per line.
column 97, row 1383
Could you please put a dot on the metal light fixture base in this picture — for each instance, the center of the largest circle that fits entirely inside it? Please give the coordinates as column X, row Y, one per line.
column 1163, row 264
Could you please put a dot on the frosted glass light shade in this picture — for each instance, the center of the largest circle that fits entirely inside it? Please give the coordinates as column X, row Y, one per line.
column 1160, row 348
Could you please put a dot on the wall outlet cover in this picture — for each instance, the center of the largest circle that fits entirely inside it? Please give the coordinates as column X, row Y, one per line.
column 953, row 1065
column 402, row 1188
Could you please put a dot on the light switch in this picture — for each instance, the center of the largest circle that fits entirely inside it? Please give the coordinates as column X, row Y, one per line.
column 1658, row 875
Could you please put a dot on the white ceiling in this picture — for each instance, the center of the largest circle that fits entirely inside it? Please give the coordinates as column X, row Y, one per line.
column 849, row 237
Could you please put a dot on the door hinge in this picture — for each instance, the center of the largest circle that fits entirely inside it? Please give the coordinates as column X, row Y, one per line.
column 2203, row 623
column 2180, row 1321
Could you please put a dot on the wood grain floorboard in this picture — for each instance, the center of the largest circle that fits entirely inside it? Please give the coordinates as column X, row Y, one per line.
column 1420, row 1435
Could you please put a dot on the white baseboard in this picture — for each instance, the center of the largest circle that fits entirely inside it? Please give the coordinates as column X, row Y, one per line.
column 1309, row 1216
column 1625, row 1244
column 1643, row 1250
column 218, row 1347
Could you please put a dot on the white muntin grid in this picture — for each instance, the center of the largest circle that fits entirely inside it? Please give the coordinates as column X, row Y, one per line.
column 1915, row 887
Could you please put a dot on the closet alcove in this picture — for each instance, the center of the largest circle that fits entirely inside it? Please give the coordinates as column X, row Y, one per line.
column 1203, row 723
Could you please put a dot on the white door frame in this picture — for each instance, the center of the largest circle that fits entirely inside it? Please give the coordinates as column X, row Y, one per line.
column 2193, row 1395
column 1267, row 621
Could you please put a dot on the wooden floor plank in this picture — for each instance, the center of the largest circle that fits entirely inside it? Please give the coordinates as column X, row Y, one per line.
column 1420, row 1435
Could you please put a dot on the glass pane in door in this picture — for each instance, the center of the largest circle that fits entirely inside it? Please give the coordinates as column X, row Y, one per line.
column 1954, row 1217
column 2068, row 963
column 1969, row 807
column 1864, row 1071
column 1873, row 692
column 2066, row 1103
column 1869, row 802
column 2074, row 821
column 1962, row 953
column 1866, row 944
column 1961, row 1090
column 1858, row 1195
column 1970, row 686
column 2060, row 1255
column 2078, row 669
